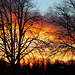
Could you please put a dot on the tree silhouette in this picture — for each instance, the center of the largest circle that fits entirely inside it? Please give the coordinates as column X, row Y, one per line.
column 16, row 36
column 63, row 18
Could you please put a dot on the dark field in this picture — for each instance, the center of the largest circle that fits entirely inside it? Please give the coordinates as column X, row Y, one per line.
column 51, row 69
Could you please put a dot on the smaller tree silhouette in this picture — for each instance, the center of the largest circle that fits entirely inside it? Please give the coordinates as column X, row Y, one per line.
column 63, row 18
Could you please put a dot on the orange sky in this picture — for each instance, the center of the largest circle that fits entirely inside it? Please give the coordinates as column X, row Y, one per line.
column 46, row 32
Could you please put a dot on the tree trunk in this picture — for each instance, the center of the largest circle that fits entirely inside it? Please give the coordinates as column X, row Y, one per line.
column 13, row 69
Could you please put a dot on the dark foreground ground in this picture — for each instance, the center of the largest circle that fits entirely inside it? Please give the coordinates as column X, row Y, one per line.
column 52, row 69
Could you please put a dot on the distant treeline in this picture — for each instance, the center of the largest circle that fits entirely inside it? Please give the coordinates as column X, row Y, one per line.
column 51, row 69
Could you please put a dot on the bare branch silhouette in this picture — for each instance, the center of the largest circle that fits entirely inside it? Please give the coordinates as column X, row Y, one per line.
column 63, row 19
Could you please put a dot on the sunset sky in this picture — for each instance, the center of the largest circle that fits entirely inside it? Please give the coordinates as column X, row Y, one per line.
column 44, row 4
column 38, row 37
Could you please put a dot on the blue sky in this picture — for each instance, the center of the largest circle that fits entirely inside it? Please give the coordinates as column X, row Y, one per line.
column 44, row 4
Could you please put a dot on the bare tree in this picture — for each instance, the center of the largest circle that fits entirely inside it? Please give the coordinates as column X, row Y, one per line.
column 63, row 18
column 16, row 23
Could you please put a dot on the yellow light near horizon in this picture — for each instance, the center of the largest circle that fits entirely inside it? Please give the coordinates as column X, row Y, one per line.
column 45, row 33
